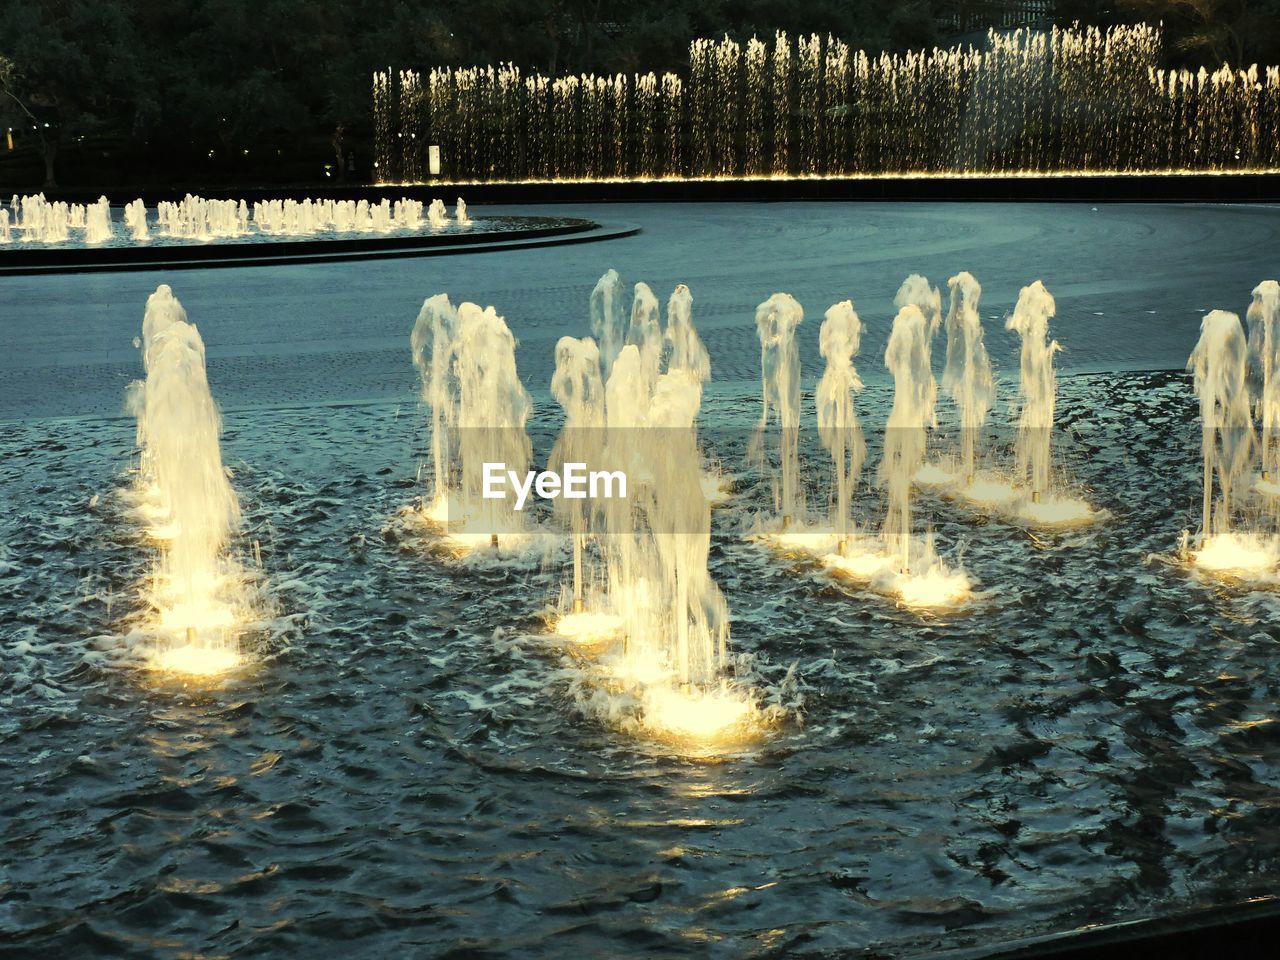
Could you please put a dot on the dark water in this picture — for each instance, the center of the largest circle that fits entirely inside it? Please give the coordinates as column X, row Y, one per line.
column 408, row 766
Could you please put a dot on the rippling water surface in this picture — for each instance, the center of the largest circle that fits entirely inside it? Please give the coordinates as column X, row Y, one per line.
column 406, row 765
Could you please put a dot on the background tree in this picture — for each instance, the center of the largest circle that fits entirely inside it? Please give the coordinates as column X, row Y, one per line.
column 68, row 69
column 1212, row 32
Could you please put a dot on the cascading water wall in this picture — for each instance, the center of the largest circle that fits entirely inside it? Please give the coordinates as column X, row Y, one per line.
column 914, row 399
column 645, row 332
column 780, row 102
column 967, row 377
column 1039, row 385
column 432, row 343
column 187, row 492
column 776, row 322
column 1219, row 365
column 1264, row 349
column 755, row 90
column 578, row 388
column 606, row 318
column 838, row 428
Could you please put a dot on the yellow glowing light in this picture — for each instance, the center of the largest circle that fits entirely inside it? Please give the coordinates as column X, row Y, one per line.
column 1268, row 488
column 815, row 540
column 989, row 491
column 1057, row 512
column 860, row 565
column 1236, row 553
column 936, row 587
column 717, row 488
column 196, row 660
column 900, row 175
column 935, row 475
column 716, row 715
column 588, row 627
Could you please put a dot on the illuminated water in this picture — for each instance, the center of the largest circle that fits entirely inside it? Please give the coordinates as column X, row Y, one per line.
column 938, row 779
column 955, row 778
column 1024, row 101
column 32, row 222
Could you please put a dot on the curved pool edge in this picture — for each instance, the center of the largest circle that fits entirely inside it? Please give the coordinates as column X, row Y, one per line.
column 52, row 261
column 1246, row 929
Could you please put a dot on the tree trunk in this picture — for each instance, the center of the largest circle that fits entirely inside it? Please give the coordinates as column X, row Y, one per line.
column 336, row 142
column 49, row 150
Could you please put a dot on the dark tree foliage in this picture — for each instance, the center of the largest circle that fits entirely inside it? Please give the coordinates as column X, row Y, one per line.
column 237, row 91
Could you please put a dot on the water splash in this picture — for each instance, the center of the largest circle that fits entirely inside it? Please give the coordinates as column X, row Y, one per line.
column 1038, row 385
column 1219, row 365
column 967, row 376
column 645, row 331
column 914, row 398
column 197, row 588
column 466, row 361
column 1264, row 348
column 578, row 388
column 838, row 428
column 606, row 318
column 776, row 322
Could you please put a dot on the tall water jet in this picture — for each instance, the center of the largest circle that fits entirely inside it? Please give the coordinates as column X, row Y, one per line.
column 838, row 428
column 437, row 215
column 967, row 376
column 914, row 398
column 97, row 225
column 686, row 354
column 579, row 389
column 686, row 350
column 135, row 219
column 1264, row 348
column 776, row 322
column 460, row 213
column 915, row 290
column 897, row 563
column 606, row 318
column 645, row 332
column 1219, row 365
column 432, row 344
column 1038, row 384
column 191, row 500
column 466, row 360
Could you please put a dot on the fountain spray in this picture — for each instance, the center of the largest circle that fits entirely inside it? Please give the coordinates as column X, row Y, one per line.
column 645, row 331
column 178, row 431
column 578, row 388
column 1219, row 365
column 1039, row 385
column 838, row 429
column 432, row 345
column 466, row 359
column 606, row 318
column 1264, row 346
column 967, row 376
column 914, row 400
column 776, row 322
